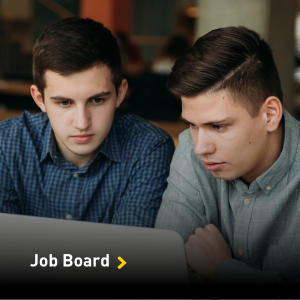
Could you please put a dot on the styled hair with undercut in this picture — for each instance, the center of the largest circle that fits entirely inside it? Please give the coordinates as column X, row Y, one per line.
column 233, row 58
column 74, row 45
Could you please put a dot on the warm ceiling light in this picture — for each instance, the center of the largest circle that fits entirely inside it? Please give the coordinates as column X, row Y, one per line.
column 192, row 12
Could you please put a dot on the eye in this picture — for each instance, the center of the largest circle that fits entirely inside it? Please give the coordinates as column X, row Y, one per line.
column 98, row 100
column 193, row 126
column 64, row 103
column 220, row 127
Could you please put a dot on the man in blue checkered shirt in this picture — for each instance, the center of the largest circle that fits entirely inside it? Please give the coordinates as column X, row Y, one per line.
column 76, row 160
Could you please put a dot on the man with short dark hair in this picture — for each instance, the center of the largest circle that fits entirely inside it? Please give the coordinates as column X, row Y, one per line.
column 234, row 184
column 76, row 160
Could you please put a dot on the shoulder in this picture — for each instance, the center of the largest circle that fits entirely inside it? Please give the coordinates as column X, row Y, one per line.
column 291, row 147
column 137, row 130
column 21, row 129
column 26, row 119
column 184, row 155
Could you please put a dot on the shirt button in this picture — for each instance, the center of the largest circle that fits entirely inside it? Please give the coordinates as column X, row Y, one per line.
column 75, row 175
column 246, row 201
column 68, row 217
column 240, row 252
column 268, row 187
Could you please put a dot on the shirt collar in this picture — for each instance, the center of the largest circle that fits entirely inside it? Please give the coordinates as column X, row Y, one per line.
column 49, row 145
column 272, row 176
column 110, row 147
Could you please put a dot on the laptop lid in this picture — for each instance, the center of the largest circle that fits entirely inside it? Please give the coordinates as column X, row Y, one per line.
column 37, row 250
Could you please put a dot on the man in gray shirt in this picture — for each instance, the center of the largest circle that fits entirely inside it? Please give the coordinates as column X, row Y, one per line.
column 234, row 185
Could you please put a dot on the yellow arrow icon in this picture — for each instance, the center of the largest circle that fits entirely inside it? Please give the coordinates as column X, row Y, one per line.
column 123, row 262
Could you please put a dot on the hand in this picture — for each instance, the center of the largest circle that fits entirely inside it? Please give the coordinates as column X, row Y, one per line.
column 206, row 249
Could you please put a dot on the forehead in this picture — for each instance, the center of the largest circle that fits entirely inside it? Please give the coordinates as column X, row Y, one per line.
column 96, row 75
column 212, row 105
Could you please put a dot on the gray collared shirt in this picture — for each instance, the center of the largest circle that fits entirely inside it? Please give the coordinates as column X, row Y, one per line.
column 261, row 223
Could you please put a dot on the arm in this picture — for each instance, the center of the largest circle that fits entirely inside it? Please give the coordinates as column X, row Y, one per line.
column 140, row 203
column 210, row 256
column 9, row 202
column 182, row 209
column 178, row 213
column 210, row 260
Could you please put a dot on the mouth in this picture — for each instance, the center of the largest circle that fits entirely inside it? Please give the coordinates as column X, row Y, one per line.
column 82, row 139
column 212, row 166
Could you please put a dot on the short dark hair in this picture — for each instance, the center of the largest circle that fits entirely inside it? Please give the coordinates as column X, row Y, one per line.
column 232, row 58
column 73, row 45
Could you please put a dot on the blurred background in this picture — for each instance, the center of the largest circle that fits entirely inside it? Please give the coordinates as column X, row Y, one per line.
column 151, row 35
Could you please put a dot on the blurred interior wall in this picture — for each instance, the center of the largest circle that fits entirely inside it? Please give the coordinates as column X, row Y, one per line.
column 273, row 19
column 17, row 9
column 113, row 14
column 152, row 20
column 43, row 17
column 282, row 40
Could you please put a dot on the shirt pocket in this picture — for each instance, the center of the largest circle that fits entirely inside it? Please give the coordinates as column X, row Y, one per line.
column 283, row 257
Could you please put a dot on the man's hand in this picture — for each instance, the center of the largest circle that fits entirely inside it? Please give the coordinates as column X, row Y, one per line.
column 206, row 249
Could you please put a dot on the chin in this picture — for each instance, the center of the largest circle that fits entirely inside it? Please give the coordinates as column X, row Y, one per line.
column 223, row 175
column 83, row 152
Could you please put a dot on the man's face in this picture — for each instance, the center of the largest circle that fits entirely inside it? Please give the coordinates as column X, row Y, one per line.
column 81, row 108
column 229, row 141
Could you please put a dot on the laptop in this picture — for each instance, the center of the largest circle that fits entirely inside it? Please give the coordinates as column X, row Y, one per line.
column 35, row 250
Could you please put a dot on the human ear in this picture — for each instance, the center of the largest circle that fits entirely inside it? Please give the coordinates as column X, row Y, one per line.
column 37, row 97
column 273, row 110
column 122, row 92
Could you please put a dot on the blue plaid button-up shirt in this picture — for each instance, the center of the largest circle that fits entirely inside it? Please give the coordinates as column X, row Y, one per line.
column 123, row 184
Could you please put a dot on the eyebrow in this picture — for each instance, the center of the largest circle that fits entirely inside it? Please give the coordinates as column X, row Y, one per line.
column 98, row 95
column 208, row 123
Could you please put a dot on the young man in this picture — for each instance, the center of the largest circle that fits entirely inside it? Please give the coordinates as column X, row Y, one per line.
column 75, row 160
column 234, row 184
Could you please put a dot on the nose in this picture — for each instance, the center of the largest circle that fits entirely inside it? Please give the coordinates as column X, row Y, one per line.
column 203, row 143
column 81, row 118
